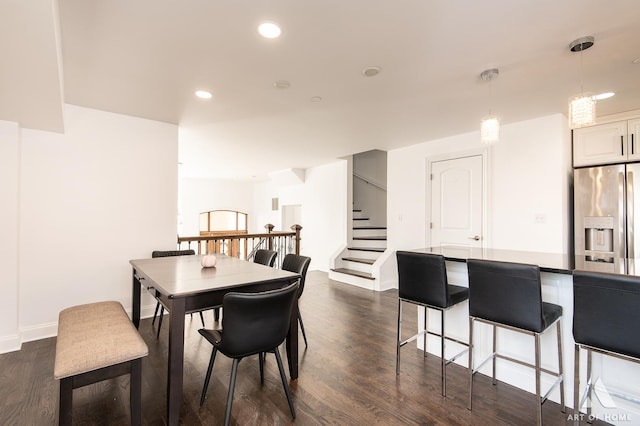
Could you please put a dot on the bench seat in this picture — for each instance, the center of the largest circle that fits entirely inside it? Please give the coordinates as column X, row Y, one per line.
column 95, row 342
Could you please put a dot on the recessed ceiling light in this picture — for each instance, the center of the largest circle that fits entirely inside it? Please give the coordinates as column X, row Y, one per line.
column 316, row 99
column 282, row 84
column 269, row 30
column 371, row 71
column 602, row 96
column 203, row 94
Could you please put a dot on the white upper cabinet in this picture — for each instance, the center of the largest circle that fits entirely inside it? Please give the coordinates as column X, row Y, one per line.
column 608, row 143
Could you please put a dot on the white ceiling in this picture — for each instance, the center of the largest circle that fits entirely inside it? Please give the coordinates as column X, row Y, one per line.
column 145, row 58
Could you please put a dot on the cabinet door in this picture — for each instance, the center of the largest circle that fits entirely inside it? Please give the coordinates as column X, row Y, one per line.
column 601, row 144
column 632, row 139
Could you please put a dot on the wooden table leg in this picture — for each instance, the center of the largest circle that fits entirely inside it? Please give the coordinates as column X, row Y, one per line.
column 176, row 360
column 135, row 301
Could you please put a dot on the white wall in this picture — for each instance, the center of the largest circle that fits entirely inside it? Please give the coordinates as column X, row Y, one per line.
column 202, row 195
column 529, row 174
column 371, row 196
column 323, row 197
column 9, row 185
column 91, row 199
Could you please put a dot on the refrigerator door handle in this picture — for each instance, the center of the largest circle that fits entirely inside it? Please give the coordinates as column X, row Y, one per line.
column 630, row 225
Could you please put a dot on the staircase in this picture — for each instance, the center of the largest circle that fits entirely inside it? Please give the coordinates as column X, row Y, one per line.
column 355, row 264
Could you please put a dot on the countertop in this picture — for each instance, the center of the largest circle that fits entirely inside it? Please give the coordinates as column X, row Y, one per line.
column 549, row 262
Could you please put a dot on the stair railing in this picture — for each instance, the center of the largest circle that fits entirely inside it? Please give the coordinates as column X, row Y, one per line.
column 244, row 246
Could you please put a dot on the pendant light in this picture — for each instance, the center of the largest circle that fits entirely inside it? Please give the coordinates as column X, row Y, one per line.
column 490, row 126
column 582, row 108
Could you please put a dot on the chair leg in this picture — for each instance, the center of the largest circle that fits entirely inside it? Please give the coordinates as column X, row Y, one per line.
column 202, row 318
column 495, row 347
column 470, row 361
column 160, row 321
column 576, row 385
column 399, row 337
column 284, row 383
column 538, row 401
column 261, row 361
column 135, row 392
column 66, row 397
column 589, row 385
column 304, row 335
column 208, row 376
column 443, row 359
column 560, row 366
column 424, row 336
column 155, row 313
column 232, row 385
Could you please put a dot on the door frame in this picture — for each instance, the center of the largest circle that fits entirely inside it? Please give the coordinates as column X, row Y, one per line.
column 483, row 152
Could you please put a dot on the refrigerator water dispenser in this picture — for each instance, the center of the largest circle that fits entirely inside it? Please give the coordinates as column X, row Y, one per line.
column 598, row 234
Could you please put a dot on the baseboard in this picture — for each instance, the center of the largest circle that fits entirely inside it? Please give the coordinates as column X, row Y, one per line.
column 10, row 343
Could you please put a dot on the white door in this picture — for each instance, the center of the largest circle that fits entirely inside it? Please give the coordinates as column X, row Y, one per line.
column 291, row 215
column 457, row 202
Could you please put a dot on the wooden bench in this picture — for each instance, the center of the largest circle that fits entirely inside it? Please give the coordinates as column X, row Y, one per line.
column 97, row 341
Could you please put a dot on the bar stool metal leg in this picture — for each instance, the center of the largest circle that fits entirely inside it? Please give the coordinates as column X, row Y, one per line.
column 576, row 385
column 443, row 358
column 424, row 337
column 399, row 337
column 495, row 349
column 560, row 368
column 470, row 361
column 538, row 401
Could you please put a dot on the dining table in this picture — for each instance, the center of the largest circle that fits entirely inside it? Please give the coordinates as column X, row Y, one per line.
column 184, row 286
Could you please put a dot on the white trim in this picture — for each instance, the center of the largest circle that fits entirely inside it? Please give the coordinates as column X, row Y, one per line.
column 10, row 343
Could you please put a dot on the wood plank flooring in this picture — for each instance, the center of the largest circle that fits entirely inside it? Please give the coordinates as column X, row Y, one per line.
column 347, row 377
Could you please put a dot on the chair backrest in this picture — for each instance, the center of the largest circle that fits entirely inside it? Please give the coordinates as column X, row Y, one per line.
column 265, row 257
column 422, row 278
column 506, row 293
column 169, row 253
column 256, row 322
column 606, row 311
column 298, row 264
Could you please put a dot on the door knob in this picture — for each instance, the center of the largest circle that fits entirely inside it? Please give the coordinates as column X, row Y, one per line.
column 476, row 238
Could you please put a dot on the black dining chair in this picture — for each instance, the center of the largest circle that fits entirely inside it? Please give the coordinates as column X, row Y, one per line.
column 605, row 321
column 509, row 295
column 422, row 281
column 265, row 257
column 261, row 256
column 168, row 253
column 253, row 323
column 300, row 265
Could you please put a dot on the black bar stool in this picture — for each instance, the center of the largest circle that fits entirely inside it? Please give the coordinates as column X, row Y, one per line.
column 422, row 280
column 509, row 295
column 606, row 315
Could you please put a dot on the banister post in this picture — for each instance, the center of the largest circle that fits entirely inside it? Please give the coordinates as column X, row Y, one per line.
column 269, row 227
column 297, row 229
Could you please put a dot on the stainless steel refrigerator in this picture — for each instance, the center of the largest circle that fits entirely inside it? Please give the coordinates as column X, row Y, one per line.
column 606, row 220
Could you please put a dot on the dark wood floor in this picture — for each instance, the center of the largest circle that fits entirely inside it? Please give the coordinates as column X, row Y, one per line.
column 347, row 377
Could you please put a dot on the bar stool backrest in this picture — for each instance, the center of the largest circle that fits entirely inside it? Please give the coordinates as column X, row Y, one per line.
column 606, row 311
column 507, row 293
column 422, row 278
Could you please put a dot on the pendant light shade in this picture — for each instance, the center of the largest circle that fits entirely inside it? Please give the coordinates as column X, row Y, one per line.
column 582, row 108
column 490, row 126
column 490, row 130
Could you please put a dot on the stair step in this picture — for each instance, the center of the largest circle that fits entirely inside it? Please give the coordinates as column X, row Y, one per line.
column 354, row 273
column 360, row 218
column 375, row 238
column 376, row 249
column 359, row 260
column 370, row 227
column 357, row 210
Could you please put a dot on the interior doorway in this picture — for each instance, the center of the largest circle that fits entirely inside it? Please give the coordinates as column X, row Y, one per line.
column 291, row 215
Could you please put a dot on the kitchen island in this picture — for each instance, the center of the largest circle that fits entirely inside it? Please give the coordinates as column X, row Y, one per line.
column 619, row 378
